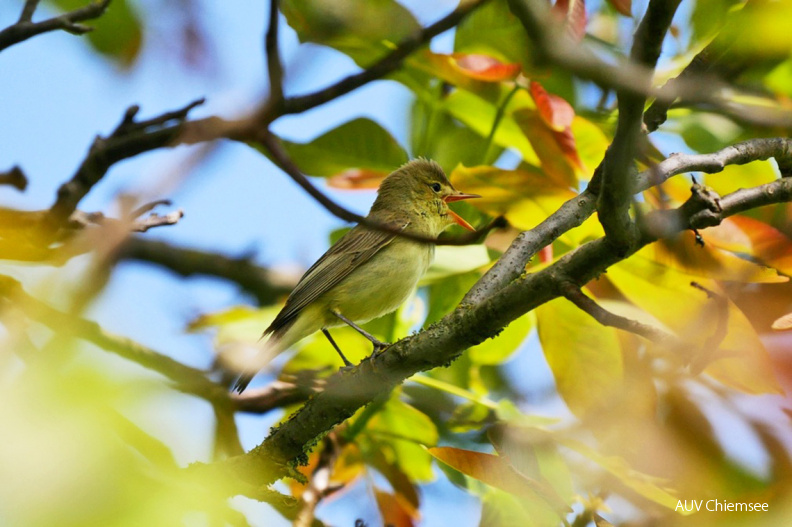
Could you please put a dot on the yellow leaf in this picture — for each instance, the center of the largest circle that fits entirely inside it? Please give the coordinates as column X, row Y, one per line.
column 740, row 361
column 735, row 177
column 584, row 356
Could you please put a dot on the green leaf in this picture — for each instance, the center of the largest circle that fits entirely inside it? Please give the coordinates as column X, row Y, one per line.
column 360, row 144
column 498, row 349
column 117, row 34
column 501, row 509
column 584, row 356
column 365, row 30
column 446, row 293
column 453, row 260
column 492, row 29
column 401, row 432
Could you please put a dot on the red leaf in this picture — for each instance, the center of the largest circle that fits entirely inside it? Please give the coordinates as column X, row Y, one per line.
column 567, row 143
column 554, row 110
column 574, row 12
column 356, row 179
column 622, row 6
column 484, row 67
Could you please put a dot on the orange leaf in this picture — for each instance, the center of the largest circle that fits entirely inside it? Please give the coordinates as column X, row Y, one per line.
column 769, row 245
column 393, row 513
column 484, row 67
column 574, row 11
column 554, row 110
column 356, row 179
column 497, row 472
column 557, row 151
column 622, row 6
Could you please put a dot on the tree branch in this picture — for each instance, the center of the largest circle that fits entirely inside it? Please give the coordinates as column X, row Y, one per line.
column 25, row 28
column 266, row 286
column 575, row 211
column 552, row 45
column 274, row 67
column 440, row 344
column 382, row 67
column 15, row 178
column 575, row 295
column 616, row 184
column 130, row 138
column 187, row 379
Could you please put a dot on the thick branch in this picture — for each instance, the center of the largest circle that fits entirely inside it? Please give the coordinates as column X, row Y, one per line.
column 274, row 67
column 25, row 28
column 262, row 283
column 617, row 184
column 129, row 139
column 575, row 211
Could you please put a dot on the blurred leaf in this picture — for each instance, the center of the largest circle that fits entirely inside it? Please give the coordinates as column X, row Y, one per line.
column 709, row 15
column 783, row 323
column 479, row 115
column 735, row 177
column 358, row 149
column 404, row 490
column 647, row 486
column 453, row 260
column 496, row 471
column 740, row 361
column 402, row 431
column 622, row 6
column 500, row 509
column 758, row 29
column 474, row 72
column 584, row 356
column 554, row 111
column 446, row 293
column 574, row 13
column 498, row 349
column 493, row 30
column 747, row 235
column 392, row 510
column 556, row 150
column 683, row 253
column 365, row 30
column 524, row 198
column 118, row 33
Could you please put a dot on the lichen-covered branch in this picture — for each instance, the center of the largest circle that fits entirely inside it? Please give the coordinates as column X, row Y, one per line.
column 575, row 211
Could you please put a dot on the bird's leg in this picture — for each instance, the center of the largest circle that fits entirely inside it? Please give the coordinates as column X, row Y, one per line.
column 378, row 344
column 347, row 364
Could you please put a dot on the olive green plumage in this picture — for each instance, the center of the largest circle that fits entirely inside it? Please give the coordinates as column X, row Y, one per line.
column 367, row 273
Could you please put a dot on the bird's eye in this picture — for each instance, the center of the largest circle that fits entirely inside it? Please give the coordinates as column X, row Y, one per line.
column 435, row 186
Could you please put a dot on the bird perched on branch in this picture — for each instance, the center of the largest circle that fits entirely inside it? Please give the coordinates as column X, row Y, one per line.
column 368, row 273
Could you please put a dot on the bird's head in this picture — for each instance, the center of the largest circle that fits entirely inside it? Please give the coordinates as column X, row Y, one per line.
column 421, row 188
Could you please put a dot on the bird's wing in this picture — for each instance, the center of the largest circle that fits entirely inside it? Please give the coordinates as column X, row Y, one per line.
column 350, row 252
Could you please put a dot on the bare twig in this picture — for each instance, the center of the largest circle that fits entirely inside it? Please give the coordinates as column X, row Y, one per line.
column 25, row 28
column 266, row 286
column 15, row 178
column 130, row 138
column 275, row 395
column 382, row 67
column 575, row 295
column 274, row 67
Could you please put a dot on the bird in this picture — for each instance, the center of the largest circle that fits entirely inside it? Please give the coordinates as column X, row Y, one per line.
column 368, row 272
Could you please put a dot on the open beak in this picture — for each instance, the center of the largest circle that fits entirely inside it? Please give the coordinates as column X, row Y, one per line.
column 456, row 217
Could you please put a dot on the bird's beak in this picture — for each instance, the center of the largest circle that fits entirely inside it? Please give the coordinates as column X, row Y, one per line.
column 459, row 196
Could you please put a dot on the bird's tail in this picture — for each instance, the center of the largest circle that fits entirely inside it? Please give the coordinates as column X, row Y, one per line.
column 270, row 348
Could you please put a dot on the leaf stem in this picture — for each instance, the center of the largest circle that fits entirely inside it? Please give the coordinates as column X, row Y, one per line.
column 498, row 117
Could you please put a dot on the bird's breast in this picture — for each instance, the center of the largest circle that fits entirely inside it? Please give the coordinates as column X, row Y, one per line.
column 383, row 283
